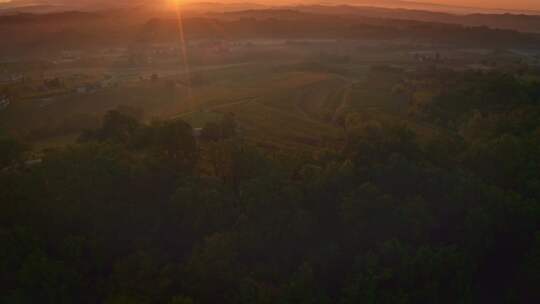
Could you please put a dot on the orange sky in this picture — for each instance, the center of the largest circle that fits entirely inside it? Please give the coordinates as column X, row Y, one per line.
column 504, row 4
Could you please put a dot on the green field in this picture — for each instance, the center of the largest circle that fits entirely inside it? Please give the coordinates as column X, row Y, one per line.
column 282, row 105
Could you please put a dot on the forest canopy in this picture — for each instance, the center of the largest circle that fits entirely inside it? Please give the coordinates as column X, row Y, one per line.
column 141, row 212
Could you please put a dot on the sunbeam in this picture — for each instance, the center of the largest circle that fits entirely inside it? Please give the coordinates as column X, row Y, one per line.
column 183, row 51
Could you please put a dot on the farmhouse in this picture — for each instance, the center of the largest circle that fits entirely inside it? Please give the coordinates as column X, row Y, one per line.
column 89, row 88
column 4, row 102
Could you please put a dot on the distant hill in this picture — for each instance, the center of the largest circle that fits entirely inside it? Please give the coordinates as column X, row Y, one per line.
column 27, row 33
column 518, row 22
column 416, row 5
column 32, row 9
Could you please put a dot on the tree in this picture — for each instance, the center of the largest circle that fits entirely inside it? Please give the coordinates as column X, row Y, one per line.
column 11, row 150
column 224, row 129
column 175, row 140
column 117, row 127
column 211, row 132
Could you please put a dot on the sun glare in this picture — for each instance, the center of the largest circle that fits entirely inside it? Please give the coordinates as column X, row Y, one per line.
column 175, row 2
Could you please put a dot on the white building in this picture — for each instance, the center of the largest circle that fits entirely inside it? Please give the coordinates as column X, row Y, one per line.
column 4, row 102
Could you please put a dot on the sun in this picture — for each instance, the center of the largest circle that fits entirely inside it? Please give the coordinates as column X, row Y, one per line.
column 176, row 2
column 172, row 4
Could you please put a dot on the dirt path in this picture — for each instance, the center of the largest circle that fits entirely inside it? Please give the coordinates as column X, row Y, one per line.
column 345, row 102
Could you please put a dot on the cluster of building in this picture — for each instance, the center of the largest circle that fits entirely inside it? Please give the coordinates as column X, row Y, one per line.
column 10, row 78
column 107, row 82
column 68, row 56
column 427, row 56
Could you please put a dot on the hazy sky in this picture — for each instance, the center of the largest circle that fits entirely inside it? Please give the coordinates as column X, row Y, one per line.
column 506, row 4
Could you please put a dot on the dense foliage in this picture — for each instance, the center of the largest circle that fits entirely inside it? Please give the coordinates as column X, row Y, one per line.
column 139, row 213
